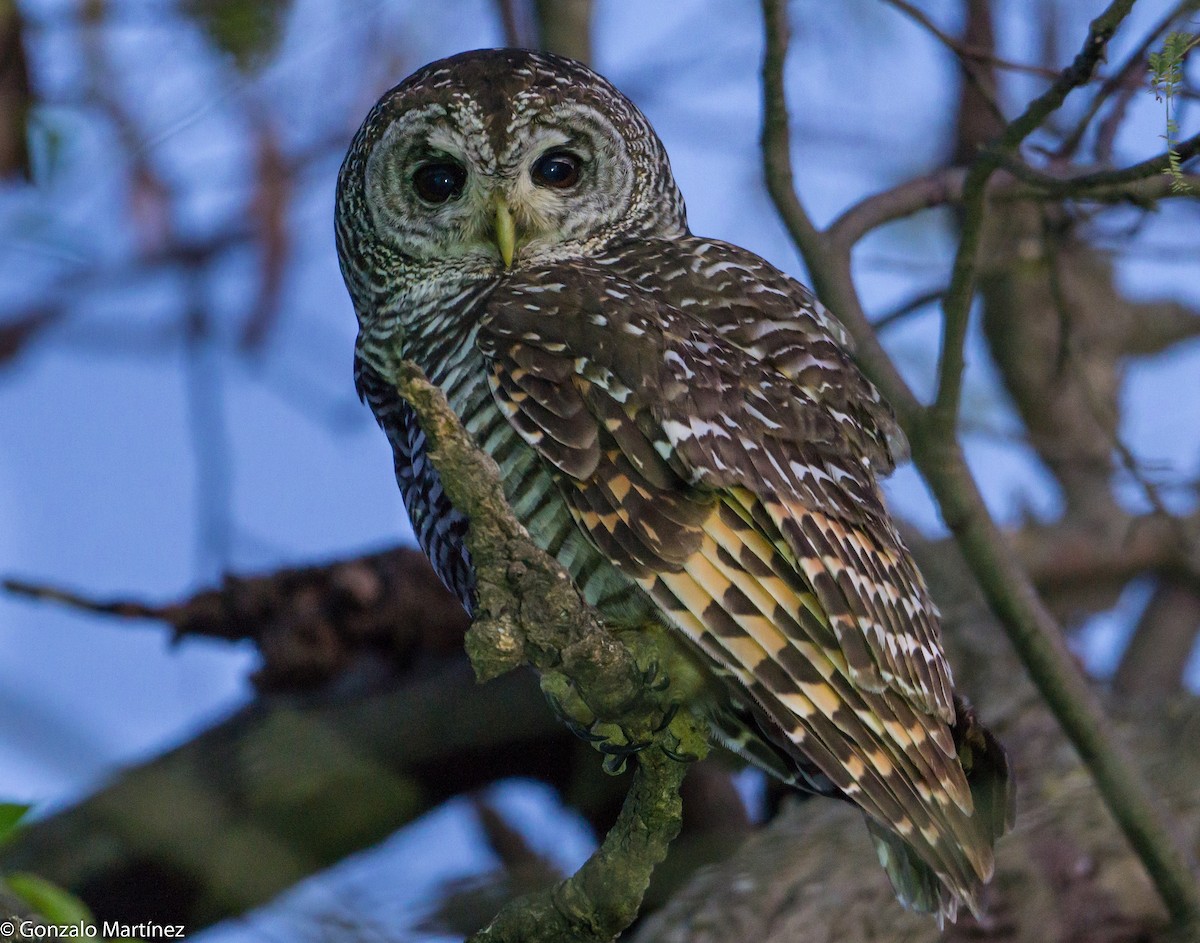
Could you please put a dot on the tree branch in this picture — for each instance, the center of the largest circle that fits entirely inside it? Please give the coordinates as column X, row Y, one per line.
column 956, row 305
column 243, row 811
column 528, row 611
column 828, row 268
column 1009, row 592
column 1085, row 185
column 903, row 200
column 565, row 27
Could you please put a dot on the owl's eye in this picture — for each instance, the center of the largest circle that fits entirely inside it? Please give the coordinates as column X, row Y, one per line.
column 557, row 169
column 439, row 181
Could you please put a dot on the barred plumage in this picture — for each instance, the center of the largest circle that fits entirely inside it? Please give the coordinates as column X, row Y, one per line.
column 679, row 423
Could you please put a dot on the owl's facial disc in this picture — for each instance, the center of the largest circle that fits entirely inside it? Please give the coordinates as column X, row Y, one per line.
column 566, row 176
column 545, row 186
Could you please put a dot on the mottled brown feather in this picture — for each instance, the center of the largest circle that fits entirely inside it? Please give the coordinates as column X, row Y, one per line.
column 731, row 495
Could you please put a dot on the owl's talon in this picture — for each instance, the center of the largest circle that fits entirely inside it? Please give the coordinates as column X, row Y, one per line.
column 622, row 749
column 615, row 765
column 679, row 757
column 672, row 710
column 578, row 728
column 654, row 678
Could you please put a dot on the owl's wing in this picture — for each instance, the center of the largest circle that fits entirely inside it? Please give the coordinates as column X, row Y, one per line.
column 592, row 356
column 767, row 313
column 734, row 498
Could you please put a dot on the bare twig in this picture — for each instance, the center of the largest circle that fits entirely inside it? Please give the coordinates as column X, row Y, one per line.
column 956, row 305
column 907, row 309
column 965, row 50
column 1130, row 75
column 509, row 23
column 969, row 56
column 15, row 93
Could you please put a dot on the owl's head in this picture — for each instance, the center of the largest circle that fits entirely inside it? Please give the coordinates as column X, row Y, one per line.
column 500, row 157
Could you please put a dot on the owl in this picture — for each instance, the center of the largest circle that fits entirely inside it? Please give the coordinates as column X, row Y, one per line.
column 679, row 424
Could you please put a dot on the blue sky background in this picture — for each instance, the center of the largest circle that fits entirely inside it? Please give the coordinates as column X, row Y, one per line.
column 133, row 463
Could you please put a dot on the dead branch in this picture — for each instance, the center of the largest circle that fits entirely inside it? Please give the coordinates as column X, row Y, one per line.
column 311, row 623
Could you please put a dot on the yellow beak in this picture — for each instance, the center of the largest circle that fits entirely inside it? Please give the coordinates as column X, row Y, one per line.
column 506, row 233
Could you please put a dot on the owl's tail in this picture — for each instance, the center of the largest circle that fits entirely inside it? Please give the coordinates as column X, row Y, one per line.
column 918, row 886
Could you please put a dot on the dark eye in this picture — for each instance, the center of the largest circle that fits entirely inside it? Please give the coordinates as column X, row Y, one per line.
column 558, row 169
column 440, row 181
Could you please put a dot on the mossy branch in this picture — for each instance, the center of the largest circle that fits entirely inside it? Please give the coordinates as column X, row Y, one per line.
column 528, row 612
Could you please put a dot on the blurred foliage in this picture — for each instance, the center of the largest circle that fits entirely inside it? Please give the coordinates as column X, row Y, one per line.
column 43, row 898
column 249, row 30
column 15, row 95
column 11, row 814
column 48, row 900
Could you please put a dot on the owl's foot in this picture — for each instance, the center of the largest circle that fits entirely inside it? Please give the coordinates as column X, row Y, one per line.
column 655, row 678
column 684, row 738
column 617, row 741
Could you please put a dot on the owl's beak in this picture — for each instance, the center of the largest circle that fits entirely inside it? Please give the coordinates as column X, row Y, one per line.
column 505, row 230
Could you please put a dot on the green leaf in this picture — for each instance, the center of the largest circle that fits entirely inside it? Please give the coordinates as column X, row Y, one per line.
column 10, row 814
column 1166, row 76
column 49, row 900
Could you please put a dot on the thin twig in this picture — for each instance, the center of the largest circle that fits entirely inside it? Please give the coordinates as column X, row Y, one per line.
column 509, row 24
column 968, row 56
column 966, row 50
column 1131, row 73
column 907, row 309
column 956, row 305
